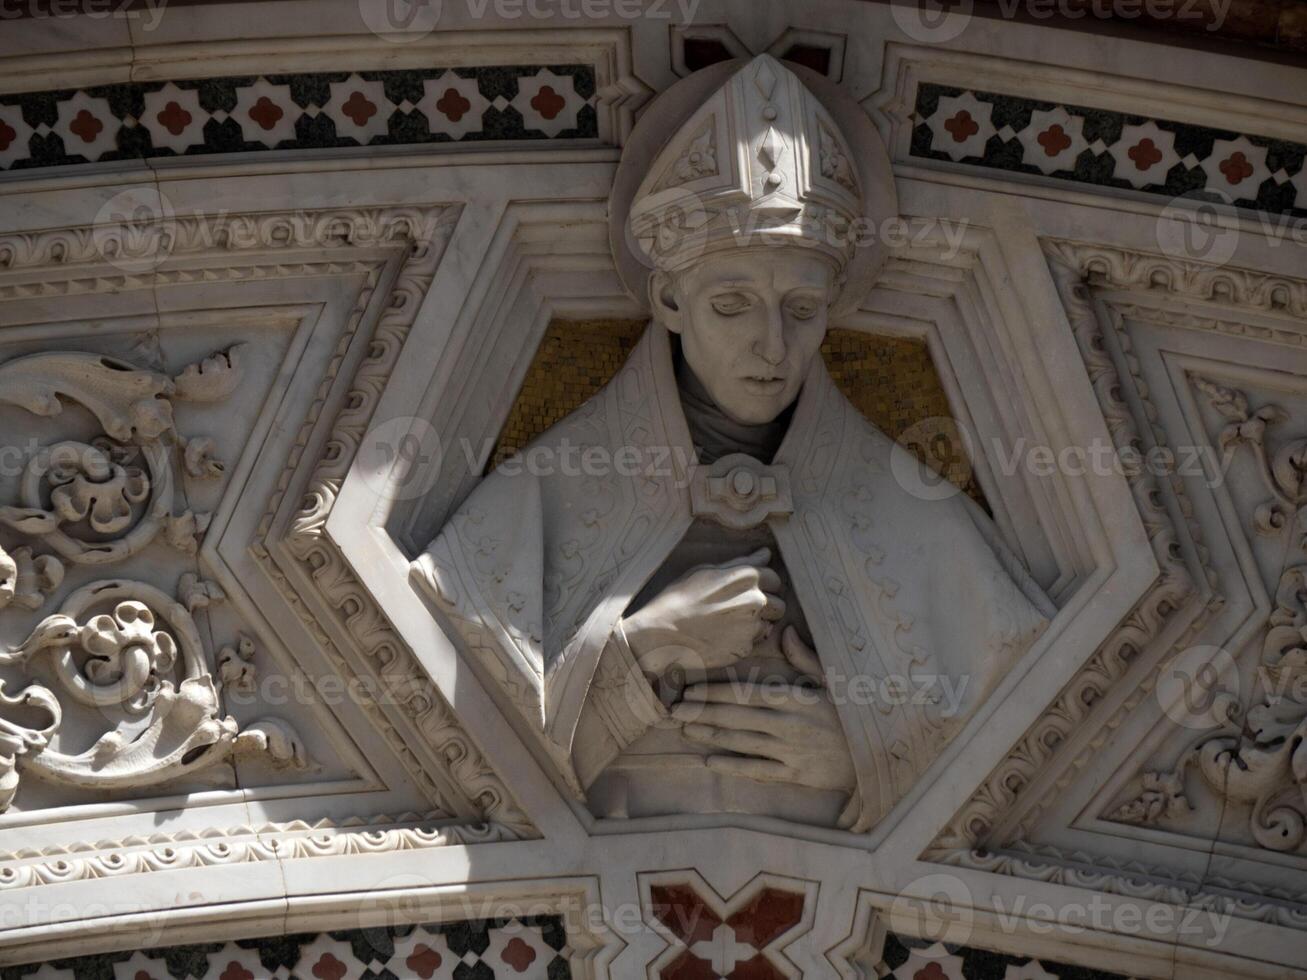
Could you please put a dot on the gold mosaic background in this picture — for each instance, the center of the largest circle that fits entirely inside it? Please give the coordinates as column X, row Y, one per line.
column 892, row 381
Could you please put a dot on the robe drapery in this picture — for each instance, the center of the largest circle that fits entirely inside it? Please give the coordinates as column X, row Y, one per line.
column 537, row 566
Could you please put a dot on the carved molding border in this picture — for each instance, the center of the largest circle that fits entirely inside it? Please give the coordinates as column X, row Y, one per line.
column 1278, row 906
column 29, row 867
column 1050, row 741
column 472, row 789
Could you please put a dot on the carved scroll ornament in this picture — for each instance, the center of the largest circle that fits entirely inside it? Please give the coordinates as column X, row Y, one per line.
column 122, row 652
column 1261, row 764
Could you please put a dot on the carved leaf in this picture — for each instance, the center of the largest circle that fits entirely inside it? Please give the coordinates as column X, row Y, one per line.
column 200, row 460
column 26, row 580
column 1229, row 402
column 196, row 593
column 213, row 378
column 236, row 667
column 127, row 401
column 184, row 530
column 277, row 739
column 1289, row 468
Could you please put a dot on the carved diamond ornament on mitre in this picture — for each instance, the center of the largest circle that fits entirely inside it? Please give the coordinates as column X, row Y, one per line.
column 760, row 163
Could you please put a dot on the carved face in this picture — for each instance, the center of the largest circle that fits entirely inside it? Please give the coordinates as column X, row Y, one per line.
column 750, row 323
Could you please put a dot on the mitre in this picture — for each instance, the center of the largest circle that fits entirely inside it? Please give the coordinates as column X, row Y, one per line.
column 751, row 154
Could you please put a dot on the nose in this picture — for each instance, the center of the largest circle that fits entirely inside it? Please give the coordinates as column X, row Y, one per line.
column 771, row 346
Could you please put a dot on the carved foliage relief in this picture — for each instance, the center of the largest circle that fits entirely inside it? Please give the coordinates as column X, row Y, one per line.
column 116, row 686
column 1256, row 760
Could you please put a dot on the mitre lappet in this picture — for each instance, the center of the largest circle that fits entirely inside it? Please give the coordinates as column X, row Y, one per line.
column 540, row 569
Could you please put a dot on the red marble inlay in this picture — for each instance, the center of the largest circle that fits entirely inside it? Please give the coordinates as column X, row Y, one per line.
column 1054, row 140
column 518, row 954
column 174, row 118
column 962, row 127
column 266, row 113
column 7, row 135
column 771, row 914
column 329, row 968
column 235, row 971
column 681, row 910
column 359, row 108
column 767, row 916
column 86, row 126
column 687, row 966
column 931, row 971
column 1145, row 154
column 453, row 104
column 1236, row 168
column 424, row 961
column 756, row 968
column 547, row 102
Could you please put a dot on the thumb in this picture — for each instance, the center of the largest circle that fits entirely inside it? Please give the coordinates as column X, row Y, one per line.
column 800, row 656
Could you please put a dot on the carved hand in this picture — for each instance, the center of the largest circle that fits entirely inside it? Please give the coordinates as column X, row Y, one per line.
column 777, row 732
column 708, row 618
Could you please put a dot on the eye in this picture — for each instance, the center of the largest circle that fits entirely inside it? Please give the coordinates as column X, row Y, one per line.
column 729, row 304
column 803, row 308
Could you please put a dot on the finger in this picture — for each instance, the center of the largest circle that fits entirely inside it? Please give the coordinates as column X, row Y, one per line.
column 774, row 610
column 734, row 692
column 767, row 770
column 734, row 583
column 760, row 557
column 727, row 716
column 746, row 743
column 769, row 580
column 800, row 656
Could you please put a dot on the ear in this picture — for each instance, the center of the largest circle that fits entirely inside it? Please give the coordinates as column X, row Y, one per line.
column 663, row 301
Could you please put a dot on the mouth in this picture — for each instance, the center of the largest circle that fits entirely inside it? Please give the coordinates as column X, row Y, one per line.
column 764, row 384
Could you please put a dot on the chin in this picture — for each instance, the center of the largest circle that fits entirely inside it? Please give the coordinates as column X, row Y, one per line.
column 755, row 411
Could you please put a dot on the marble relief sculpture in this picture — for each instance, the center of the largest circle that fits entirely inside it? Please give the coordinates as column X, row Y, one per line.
column 733, row 604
